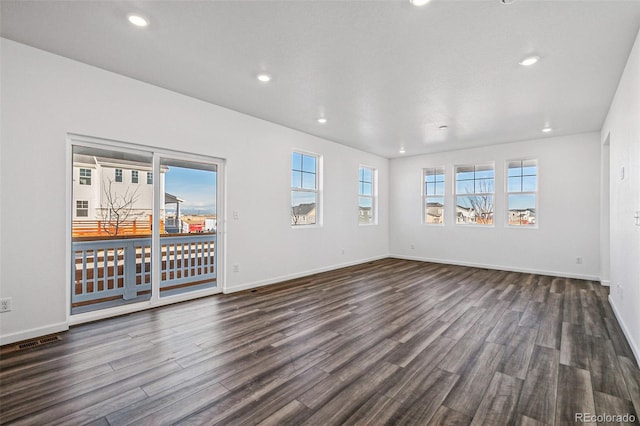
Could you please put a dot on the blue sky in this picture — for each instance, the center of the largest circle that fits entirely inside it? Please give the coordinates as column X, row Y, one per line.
column 196, row 187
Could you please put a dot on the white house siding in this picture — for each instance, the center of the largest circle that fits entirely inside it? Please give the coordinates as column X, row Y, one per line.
column 86, row 192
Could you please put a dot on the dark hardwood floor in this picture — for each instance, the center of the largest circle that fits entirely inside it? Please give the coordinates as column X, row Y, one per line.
column 387, row 342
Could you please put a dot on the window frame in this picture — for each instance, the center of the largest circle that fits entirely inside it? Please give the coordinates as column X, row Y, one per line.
column 425, row 196
column 118, row 177
column 78, row 208
column 149, row 178
column 475, row 180
column 135, row 176
column 507, row 193
column 301, row 189
column 87, row 178
column 374, row 194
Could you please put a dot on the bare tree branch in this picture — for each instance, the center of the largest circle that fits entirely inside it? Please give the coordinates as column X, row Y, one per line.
column 295, row 217
column 482, row 203
column 116, row 209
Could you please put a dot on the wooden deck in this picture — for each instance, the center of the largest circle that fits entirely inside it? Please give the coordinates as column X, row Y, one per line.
column 387, row 342
column 104, row 228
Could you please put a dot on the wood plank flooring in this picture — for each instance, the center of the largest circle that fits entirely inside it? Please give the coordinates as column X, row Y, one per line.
column 386, row 342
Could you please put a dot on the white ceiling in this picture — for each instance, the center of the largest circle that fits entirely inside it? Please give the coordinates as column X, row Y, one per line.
column 385, row 74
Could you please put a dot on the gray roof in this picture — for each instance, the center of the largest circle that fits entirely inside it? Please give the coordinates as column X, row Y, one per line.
column 170, row 198
column 303, row 209
column 84, row 159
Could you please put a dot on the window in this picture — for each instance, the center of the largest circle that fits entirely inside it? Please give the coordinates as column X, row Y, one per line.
column 118, row 175
column 366, row 195
column 134, row 176
column 304, row 189
column 149, row 178
column 433, row 195
column 522, row 187
column 85, row 176
column 475, row 194
column 82, row 208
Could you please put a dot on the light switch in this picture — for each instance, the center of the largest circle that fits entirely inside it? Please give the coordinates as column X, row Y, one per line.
column 236, row 215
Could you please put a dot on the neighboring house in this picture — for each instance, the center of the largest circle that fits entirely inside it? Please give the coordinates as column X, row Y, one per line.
column 365, row 215
column 524, row 217
column 465, row 214
column 172, row 222
column 303, row 214
column 469, row 215
column 435, row 212
column 100, row 183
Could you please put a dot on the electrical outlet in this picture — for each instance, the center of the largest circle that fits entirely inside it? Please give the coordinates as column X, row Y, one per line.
column 5, row 304
column 579, row 260
column 342, row 251
column 236, row 215
column 236, row 268
column 413, row 247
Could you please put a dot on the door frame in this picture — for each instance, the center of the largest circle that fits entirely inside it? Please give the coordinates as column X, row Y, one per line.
column 157, row 153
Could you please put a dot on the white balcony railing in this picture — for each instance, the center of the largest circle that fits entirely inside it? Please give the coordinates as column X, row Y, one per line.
column 109, row 272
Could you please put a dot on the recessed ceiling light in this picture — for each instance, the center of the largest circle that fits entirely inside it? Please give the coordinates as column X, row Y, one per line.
column 402, row 151
column 547, row 129
column 263, row 77
column 322, row 120
column 529, row 60
column 138, row 20
column 419, row 2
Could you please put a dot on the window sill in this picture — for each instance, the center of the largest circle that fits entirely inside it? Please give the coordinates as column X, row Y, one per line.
column 521, row 227
column 474, row 225
column 310, row 226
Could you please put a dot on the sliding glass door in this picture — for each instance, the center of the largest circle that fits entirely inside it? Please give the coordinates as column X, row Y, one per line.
column 143, row 226
column 188, row 226
column 112, row 219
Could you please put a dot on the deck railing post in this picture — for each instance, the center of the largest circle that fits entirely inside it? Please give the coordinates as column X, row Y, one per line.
column 130, row 291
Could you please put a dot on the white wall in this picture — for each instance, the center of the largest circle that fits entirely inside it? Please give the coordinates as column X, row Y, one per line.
column 45, row 96
column 622, row 128
column 568, row 210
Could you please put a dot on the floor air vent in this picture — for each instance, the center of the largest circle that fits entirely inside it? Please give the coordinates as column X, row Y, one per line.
column 38, row 342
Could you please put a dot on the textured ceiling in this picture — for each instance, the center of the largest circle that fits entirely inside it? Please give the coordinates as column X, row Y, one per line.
column 385, row 74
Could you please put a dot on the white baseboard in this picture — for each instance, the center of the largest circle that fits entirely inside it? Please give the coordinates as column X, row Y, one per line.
column 33, row 333
column 499, row 267
column 634, row 345
column 282, row 278
column 63, row 326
